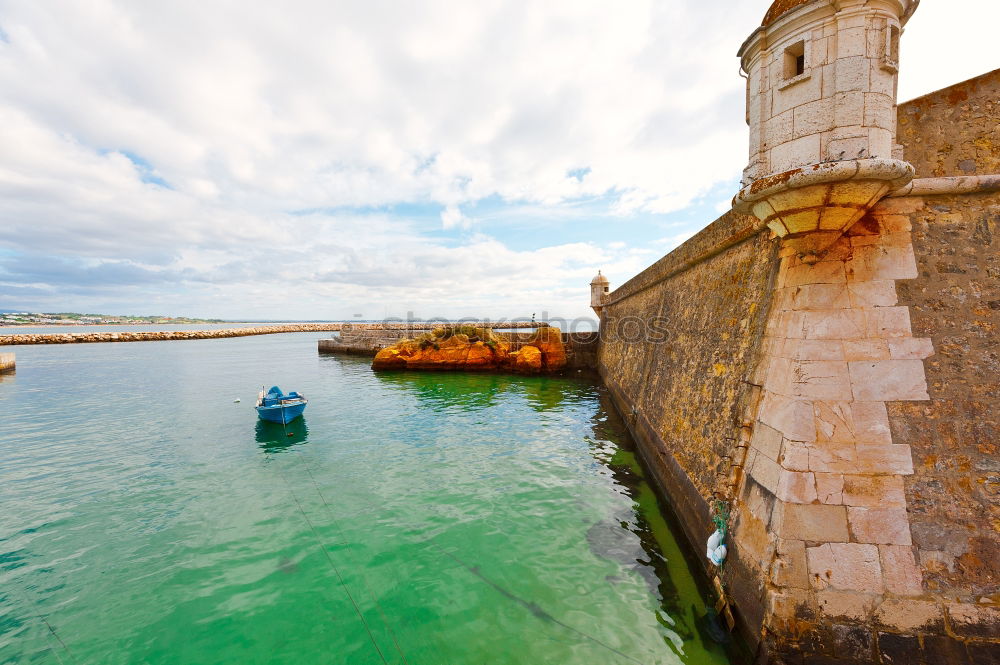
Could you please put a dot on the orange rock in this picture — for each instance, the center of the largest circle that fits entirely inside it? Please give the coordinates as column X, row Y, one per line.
column 528, row 360
column 549, row 342
column 481, row 357
column 389, row 358
column 457, row 352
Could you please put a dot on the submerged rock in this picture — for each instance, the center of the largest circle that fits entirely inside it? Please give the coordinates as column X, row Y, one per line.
column 478, row 349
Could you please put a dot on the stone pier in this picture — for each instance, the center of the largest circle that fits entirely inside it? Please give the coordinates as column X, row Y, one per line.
column 6, row 362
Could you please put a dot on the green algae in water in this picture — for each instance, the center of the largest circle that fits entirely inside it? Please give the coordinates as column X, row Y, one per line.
column 410, row 518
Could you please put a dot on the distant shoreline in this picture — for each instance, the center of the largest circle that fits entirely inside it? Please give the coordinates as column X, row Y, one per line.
column 82, row 337
column 167, row 323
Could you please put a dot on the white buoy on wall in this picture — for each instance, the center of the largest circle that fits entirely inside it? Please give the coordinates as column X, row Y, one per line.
column 716, row 550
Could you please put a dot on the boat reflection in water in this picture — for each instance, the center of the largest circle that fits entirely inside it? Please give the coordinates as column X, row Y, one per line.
column 276, row 438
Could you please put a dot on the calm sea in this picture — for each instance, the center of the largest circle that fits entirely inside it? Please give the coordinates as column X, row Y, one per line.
column 146, row 516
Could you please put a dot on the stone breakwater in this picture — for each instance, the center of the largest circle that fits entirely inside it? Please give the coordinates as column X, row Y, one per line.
column 158, row 336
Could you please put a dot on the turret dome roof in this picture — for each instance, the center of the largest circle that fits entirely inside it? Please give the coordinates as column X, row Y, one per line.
column 780, row 8
column 599, row 279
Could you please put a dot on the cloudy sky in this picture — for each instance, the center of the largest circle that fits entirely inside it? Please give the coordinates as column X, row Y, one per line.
column 325, row 159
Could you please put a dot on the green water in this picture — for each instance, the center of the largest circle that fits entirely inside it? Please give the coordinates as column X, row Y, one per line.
column 146, row 517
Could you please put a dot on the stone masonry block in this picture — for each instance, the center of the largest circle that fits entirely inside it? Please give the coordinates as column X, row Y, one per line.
column 900, row 570
column 876, row 262
column 866, row 349
column 852, row 42
column 796, row 487
column 881, row 142
column 832, row 324
column 778, row 129
column 850, row 605
column 794, row 153
column 845, row 566
column 888, row 322
column 874, row 491
column 814, row 349
column 789, row 567
column 911, row 347
column 814, row 117
column 820, row 380
column 876, row 293
column 892, row 223
column 794, row 455
column 821, row 296
column 885, row 526
column 766, row 472
column 899, row 649
column 830, row 488
column 879, row 111
column 888, row 380
column 903, row 205
column 853, row 74
column 808, row 90
column 834, row 421
column 814, row 522
column 968, row 620
column 824, row 272
column 793, row 418
column 840, row 148
column 849, row 110
column 766, row 440
column 883, row 459
column 783, row 606
column 907, row 616
column 833, row 457
column 871, row 422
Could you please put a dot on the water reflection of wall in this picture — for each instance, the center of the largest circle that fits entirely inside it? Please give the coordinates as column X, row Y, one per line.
column 460, row 390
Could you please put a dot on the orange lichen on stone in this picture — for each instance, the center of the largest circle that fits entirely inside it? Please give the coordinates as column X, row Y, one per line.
column 475, row 349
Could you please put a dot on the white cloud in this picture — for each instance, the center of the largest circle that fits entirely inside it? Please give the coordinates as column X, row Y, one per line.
column 286, row 139
column 452, row 217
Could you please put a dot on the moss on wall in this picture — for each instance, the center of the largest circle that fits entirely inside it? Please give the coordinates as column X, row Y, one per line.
column 678, row 344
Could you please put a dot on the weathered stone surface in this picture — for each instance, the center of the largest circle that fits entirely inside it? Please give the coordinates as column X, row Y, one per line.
column 953, row 131
column 910, row 615
column 845, row 566
column 970, row 620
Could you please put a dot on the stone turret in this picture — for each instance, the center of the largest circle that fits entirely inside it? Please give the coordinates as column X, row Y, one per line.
column 821, row 106
column 598, row 292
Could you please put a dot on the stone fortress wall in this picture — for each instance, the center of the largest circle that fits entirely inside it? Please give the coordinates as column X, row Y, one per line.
column 831, row 367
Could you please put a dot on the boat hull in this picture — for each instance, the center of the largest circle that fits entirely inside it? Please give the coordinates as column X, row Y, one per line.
column 281, row 413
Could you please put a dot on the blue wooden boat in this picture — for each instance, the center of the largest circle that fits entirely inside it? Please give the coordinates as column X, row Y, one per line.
column 277, row 407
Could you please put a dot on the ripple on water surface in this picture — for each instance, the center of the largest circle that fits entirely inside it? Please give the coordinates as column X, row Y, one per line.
column 408, row 518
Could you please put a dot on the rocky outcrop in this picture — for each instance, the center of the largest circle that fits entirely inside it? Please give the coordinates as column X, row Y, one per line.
column 475, row 349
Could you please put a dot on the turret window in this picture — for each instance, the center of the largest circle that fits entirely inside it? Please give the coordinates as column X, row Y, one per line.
column 795, row 60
